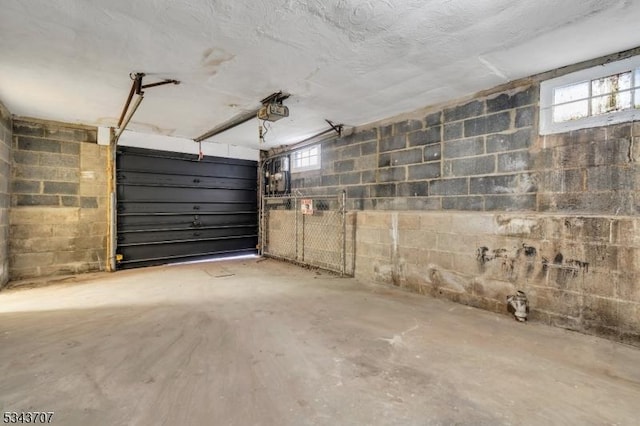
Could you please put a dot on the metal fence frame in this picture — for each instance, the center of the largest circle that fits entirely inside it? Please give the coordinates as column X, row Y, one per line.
column 333, row 204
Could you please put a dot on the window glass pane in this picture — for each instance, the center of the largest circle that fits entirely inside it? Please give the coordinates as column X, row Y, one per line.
column 571, row 93
column 313, row 151
column 611, row 84
column 610, row 102
column 611, row 93
column 572, row 111
column 304, row 162
column 637, row 84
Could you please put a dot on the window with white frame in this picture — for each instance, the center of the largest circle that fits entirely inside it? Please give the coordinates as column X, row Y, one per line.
column 306, row 159
column 597, row 96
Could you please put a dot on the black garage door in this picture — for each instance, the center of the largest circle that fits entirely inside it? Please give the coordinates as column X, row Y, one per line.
column 172, row 207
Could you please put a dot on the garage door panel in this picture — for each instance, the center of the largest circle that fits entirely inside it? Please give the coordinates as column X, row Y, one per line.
column 162, row 235
column 172, row 207
column 134, row 162
column 162, row 179
column 160, row 208
column 182, row 249
column 148, row 222
column 183, row 195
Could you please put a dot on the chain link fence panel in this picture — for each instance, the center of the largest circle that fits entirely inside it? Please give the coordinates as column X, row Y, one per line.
column 309, row 230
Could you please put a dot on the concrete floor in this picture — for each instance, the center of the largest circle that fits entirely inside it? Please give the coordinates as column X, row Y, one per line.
column 249, row 342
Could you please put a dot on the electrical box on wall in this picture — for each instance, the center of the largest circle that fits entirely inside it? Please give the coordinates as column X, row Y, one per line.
column 277, row 180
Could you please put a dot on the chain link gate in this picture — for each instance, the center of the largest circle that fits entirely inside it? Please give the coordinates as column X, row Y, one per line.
column 309, row 230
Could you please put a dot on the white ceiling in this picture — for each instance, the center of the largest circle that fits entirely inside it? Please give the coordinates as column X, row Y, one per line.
column 350, row 61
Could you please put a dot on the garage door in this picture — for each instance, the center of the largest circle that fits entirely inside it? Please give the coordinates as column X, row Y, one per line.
column 172, row 207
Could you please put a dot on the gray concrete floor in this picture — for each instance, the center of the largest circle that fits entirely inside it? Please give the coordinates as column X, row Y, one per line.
column 249, row 342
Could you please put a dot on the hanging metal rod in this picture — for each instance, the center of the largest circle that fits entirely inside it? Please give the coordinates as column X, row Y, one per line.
column 126, row 121
column 334, row 128
column 137, row 88
column 276, row 97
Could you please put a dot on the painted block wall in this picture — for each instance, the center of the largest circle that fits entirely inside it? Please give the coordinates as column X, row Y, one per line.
column 456, row 176
column 5, row 177
column 58, row 215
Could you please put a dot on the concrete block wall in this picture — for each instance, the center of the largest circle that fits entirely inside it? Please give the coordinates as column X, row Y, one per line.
column 58, row 216
column 5, row 178
column 478, row 160
column 579, row 272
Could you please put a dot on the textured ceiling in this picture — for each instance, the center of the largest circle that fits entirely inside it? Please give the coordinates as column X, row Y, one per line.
column 350, row 61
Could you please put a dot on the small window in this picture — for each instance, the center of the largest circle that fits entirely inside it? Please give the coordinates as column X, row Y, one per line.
column 597, row 96
column 306, row 159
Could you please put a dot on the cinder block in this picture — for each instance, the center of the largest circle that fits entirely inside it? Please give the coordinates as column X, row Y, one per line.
column 424, row 203
column 424, row 171
column 463, row 203
column 27, row 128
column 469, row 166
column 343, row 166
column 392, row 174
column 499, row 103
column 429, row 136
column 59, row 160
column 525, row 117
column 26, row 187
column 26, row 157
column 366, row 162
column 408, row 221
column 31, row 230
column 559, row 302
column 442, row 259
column 89, row 202
column 453, row 131
column 471, row 109
column 368, row 176
column 510, row 202
column 413, row 189
column 435, row 119
column 70, row 201
column 61, row 188
column 383, row 190
column 463, row 147
column 29, row 260
column 409, row 156
column 50, row 215
column 406, row 126
column 368, row 148
column 366, row 135
column 36, row 200
column 494, row 123
column 453, row 242
column 449, row 187
column 29, row 172
column 392, row 143
column 504, row 184
column 432, row 153
column 515, row 161
column 28, row 143
column 521, row 139
column 561, row 181
column 384, row 160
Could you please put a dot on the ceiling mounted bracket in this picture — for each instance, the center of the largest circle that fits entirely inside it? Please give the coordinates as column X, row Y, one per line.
column 137, row 89
column 337, row 127
column 275, row 98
